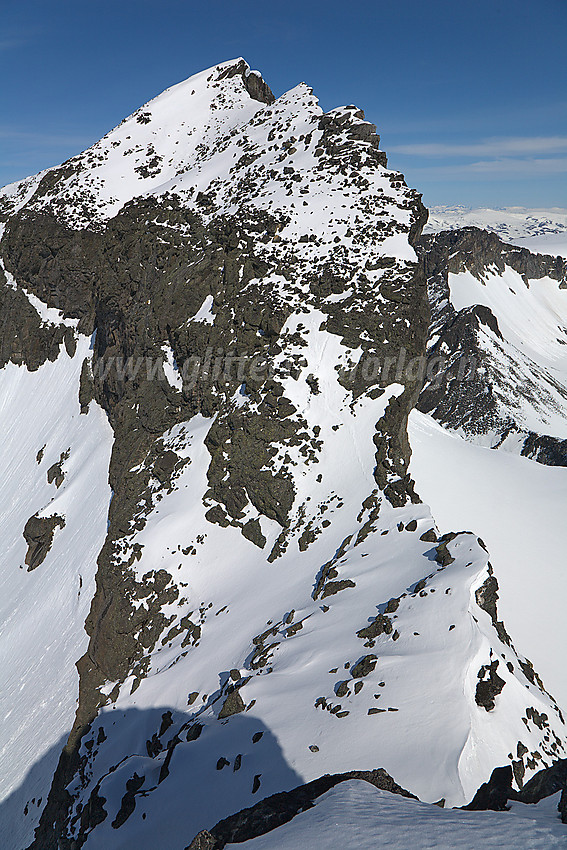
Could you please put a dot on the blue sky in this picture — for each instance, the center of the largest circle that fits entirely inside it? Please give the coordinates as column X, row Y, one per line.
column 469, row 96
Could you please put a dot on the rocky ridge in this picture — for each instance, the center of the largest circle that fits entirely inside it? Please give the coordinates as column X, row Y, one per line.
column 254, row 589
column 488, row 300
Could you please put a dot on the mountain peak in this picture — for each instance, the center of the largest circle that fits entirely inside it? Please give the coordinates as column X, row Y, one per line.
column 214, row 328
column 253, row 81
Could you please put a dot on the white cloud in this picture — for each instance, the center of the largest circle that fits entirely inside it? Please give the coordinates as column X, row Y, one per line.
column 498, row 147
column 11, row 43
column 503, row 169
column 524, row 167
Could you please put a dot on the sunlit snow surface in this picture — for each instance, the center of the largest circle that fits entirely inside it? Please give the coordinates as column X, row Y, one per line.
column 517, row 506
column 42, row 613
column 416, row 714
column 356, row 815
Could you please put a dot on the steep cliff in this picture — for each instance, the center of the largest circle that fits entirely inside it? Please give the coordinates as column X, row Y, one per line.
column 231, row 278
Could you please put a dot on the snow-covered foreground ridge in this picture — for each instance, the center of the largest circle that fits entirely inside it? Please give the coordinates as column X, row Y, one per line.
column 272, row 600
column 357, row 815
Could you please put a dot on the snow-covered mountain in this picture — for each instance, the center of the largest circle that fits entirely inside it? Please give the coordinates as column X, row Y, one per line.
column 506, row 222
column 498, row 336
column 203, row 319
column 543, row 231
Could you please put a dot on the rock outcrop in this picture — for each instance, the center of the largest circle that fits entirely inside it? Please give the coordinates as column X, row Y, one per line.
column 270, row 582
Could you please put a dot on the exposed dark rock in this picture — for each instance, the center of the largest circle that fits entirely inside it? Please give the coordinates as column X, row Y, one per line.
column 562, row 806
column 476, row 250
column 166, row 722
column 38, row 533
column 465, row 387
column 233, row 704
column 154, row 746
column 203, row 841
column 488, row 687
column 494, row 794
column 93, row 811
column 253, row 532
column 332, row 587
column 363, row 667
column 487, row 598
column 544, row 783
column 253, row 82
column 379, row 626
column 55, row 474
column 194, row 732
column 86, row 386
column 128, row 803
column 24, row 338
column 442, row 554
column 547, row 450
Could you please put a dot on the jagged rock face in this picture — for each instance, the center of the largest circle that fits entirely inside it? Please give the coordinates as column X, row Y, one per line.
column 495, row 793
column 487, row 379
column 270, row 583
column 544, row 783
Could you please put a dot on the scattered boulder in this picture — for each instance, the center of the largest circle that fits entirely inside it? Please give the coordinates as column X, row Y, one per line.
column 233, row 704
column 363, row 667
column 488, row 687
column 38, row 534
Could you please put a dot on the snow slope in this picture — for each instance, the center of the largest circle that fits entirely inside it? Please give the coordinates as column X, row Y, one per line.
column 547, row 244
column 354, row 814
column 330, row 635
column 150, row 148
column 427, row 731
column 42, row 613
column 517, row 506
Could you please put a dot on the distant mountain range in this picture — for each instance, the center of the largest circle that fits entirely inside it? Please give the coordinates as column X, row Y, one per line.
column 540, row 230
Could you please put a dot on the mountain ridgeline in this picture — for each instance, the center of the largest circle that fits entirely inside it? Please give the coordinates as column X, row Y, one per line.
column 221, row 291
